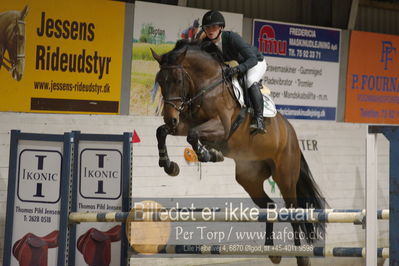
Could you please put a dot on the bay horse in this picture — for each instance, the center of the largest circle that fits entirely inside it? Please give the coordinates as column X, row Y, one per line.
column 12, row 40
column 199, row 104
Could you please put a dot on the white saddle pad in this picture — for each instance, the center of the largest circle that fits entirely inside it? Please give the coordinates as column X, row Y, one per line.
column 269, row 108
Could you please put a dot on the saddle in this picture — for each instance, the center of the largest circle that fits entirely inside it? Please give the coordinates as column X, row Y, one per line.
column 269, row 108
column 33, row 250
column 95, row 245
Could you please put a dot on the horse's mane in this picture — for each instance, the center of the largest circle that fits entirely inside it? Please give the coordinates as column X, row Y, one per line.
column 207, row 48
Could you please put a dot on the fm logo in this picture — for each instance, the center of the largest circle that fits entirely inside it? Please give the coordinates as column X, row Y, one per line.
column 387, row 54
column 268, row 43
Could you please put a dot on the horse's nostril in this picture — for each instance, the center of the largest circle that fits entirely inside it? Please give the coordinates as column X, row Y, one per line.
column 172, row 122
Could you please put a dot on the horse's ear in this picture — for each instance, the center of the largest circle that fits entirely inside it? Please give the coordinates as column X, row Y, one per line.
column 156, row 56
column 24, row 12
column 181, row 56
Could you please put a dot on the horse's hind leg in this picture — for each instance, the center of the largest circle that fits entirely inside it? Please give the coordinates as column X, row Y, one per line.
column 251, row 176
column 286, row 179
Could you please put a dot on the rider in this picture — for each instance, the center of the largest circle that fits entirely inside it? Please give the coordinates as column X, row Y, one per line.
column 191, row 32
column 250, row 60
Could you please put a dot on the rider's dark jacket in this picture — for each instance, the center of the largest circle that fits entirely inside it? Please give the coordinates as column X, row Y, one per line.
column 235, row 48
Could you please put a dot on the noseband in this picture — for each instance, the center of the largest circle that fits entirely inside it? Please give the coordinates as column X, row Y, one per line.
column 183, row 98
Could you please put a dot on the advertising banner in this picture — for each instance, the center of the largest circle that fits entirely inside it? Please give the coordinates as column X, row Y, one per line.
column 303, row 67
column 46, row 184
column 100, row 179
column 37, row 199
column 372, row 84
column 159, row 27
column 61, row 56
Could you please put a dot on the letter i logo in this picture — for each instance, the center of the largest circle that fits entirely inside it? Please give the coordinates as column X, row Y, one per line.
column 39, row 186
column 100, row 184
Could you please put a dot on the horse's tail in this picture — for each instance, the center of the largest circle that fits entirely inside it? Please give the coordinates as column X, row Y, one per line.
column 309, row 196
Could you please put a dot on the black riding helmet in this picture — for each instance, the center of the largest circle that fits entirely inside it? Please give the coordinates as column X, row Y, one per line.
column 213, row 17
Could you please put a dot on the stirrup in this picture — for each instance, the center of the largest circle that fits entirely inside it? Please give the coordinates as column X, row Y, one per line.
column 257, row 126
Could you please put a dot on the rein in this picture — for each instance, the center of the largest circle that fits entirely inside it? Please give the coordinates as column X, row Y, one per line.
column 189, row 101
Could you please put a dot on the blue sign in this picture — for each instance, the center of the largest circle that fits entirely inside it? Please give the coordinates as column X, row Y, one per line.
column 296, row 41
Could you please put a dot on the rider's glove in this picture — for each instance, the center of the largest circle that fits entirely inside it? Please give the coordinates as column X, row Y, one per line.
column 231, row 71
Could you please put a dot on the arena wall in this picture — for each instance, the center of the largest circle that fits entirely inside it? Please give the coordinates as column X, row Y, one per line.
column 335, row 153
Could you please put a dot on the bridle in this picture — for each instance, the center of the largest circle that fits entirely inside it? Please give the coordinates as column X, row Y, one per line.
column 19, row 26
column 184, row 98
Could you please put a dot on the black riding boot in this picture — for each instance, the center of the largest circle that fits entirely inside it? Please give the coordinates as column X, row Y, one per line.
column 257, row 123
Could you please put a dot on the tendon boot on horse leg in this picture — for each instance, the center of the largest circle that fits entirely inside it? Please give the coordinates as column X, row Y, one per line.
column 171, row 168
column 203, row 154
column 257, row 124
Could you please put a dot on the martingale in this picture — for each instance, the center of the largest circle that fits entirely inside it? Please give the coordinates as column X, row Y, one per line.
column 81, row 63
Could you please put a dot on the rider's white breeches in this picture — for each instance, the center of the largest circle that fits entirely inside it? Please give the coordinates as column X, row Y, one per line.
column 255, row 74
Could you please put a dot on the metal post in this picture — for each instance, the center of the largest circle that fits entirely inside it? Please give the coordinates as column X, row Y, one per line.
column 371, row 199
column 392, row 134
column 353, row 14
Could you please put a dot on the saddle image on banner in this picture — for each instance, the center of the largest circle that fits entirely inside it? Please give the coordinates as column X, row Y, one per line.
column 95, row 245
column 33, row 250
column 269, row 108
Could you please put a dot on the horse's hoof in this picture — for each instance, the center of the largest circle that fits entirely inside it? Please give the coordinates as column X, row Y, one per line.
column 303, row 261
column 275, row 259
column 173, row 169
column 204, row 157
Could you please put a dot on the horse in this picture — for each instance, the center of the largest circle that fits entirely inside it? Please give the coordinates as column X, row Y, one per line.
column 199, row 104
column 12, row 40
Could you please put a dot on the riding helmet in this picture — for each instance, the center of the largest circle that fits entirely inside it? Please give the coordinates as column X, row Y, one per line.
column 213, row 17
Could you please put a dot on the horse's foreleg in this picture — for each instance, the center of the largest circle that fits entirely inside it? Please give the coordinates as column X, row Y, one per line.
column 212, row 131
column 171, row 168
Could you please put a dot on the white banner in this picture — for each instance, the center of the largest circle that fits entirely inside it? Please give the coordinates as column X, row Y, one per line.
column 37, row 202
column 159, row 27
column 303, row 67
column 99, row 190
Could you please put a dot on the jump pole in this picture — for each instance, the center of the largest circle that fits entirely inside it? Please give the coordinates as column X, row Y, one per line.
column 247, row 250
column 316, row 216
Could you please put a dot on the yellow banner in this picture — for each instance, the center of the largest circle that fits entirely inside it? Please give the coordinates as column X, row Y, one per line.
column 61, row 56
